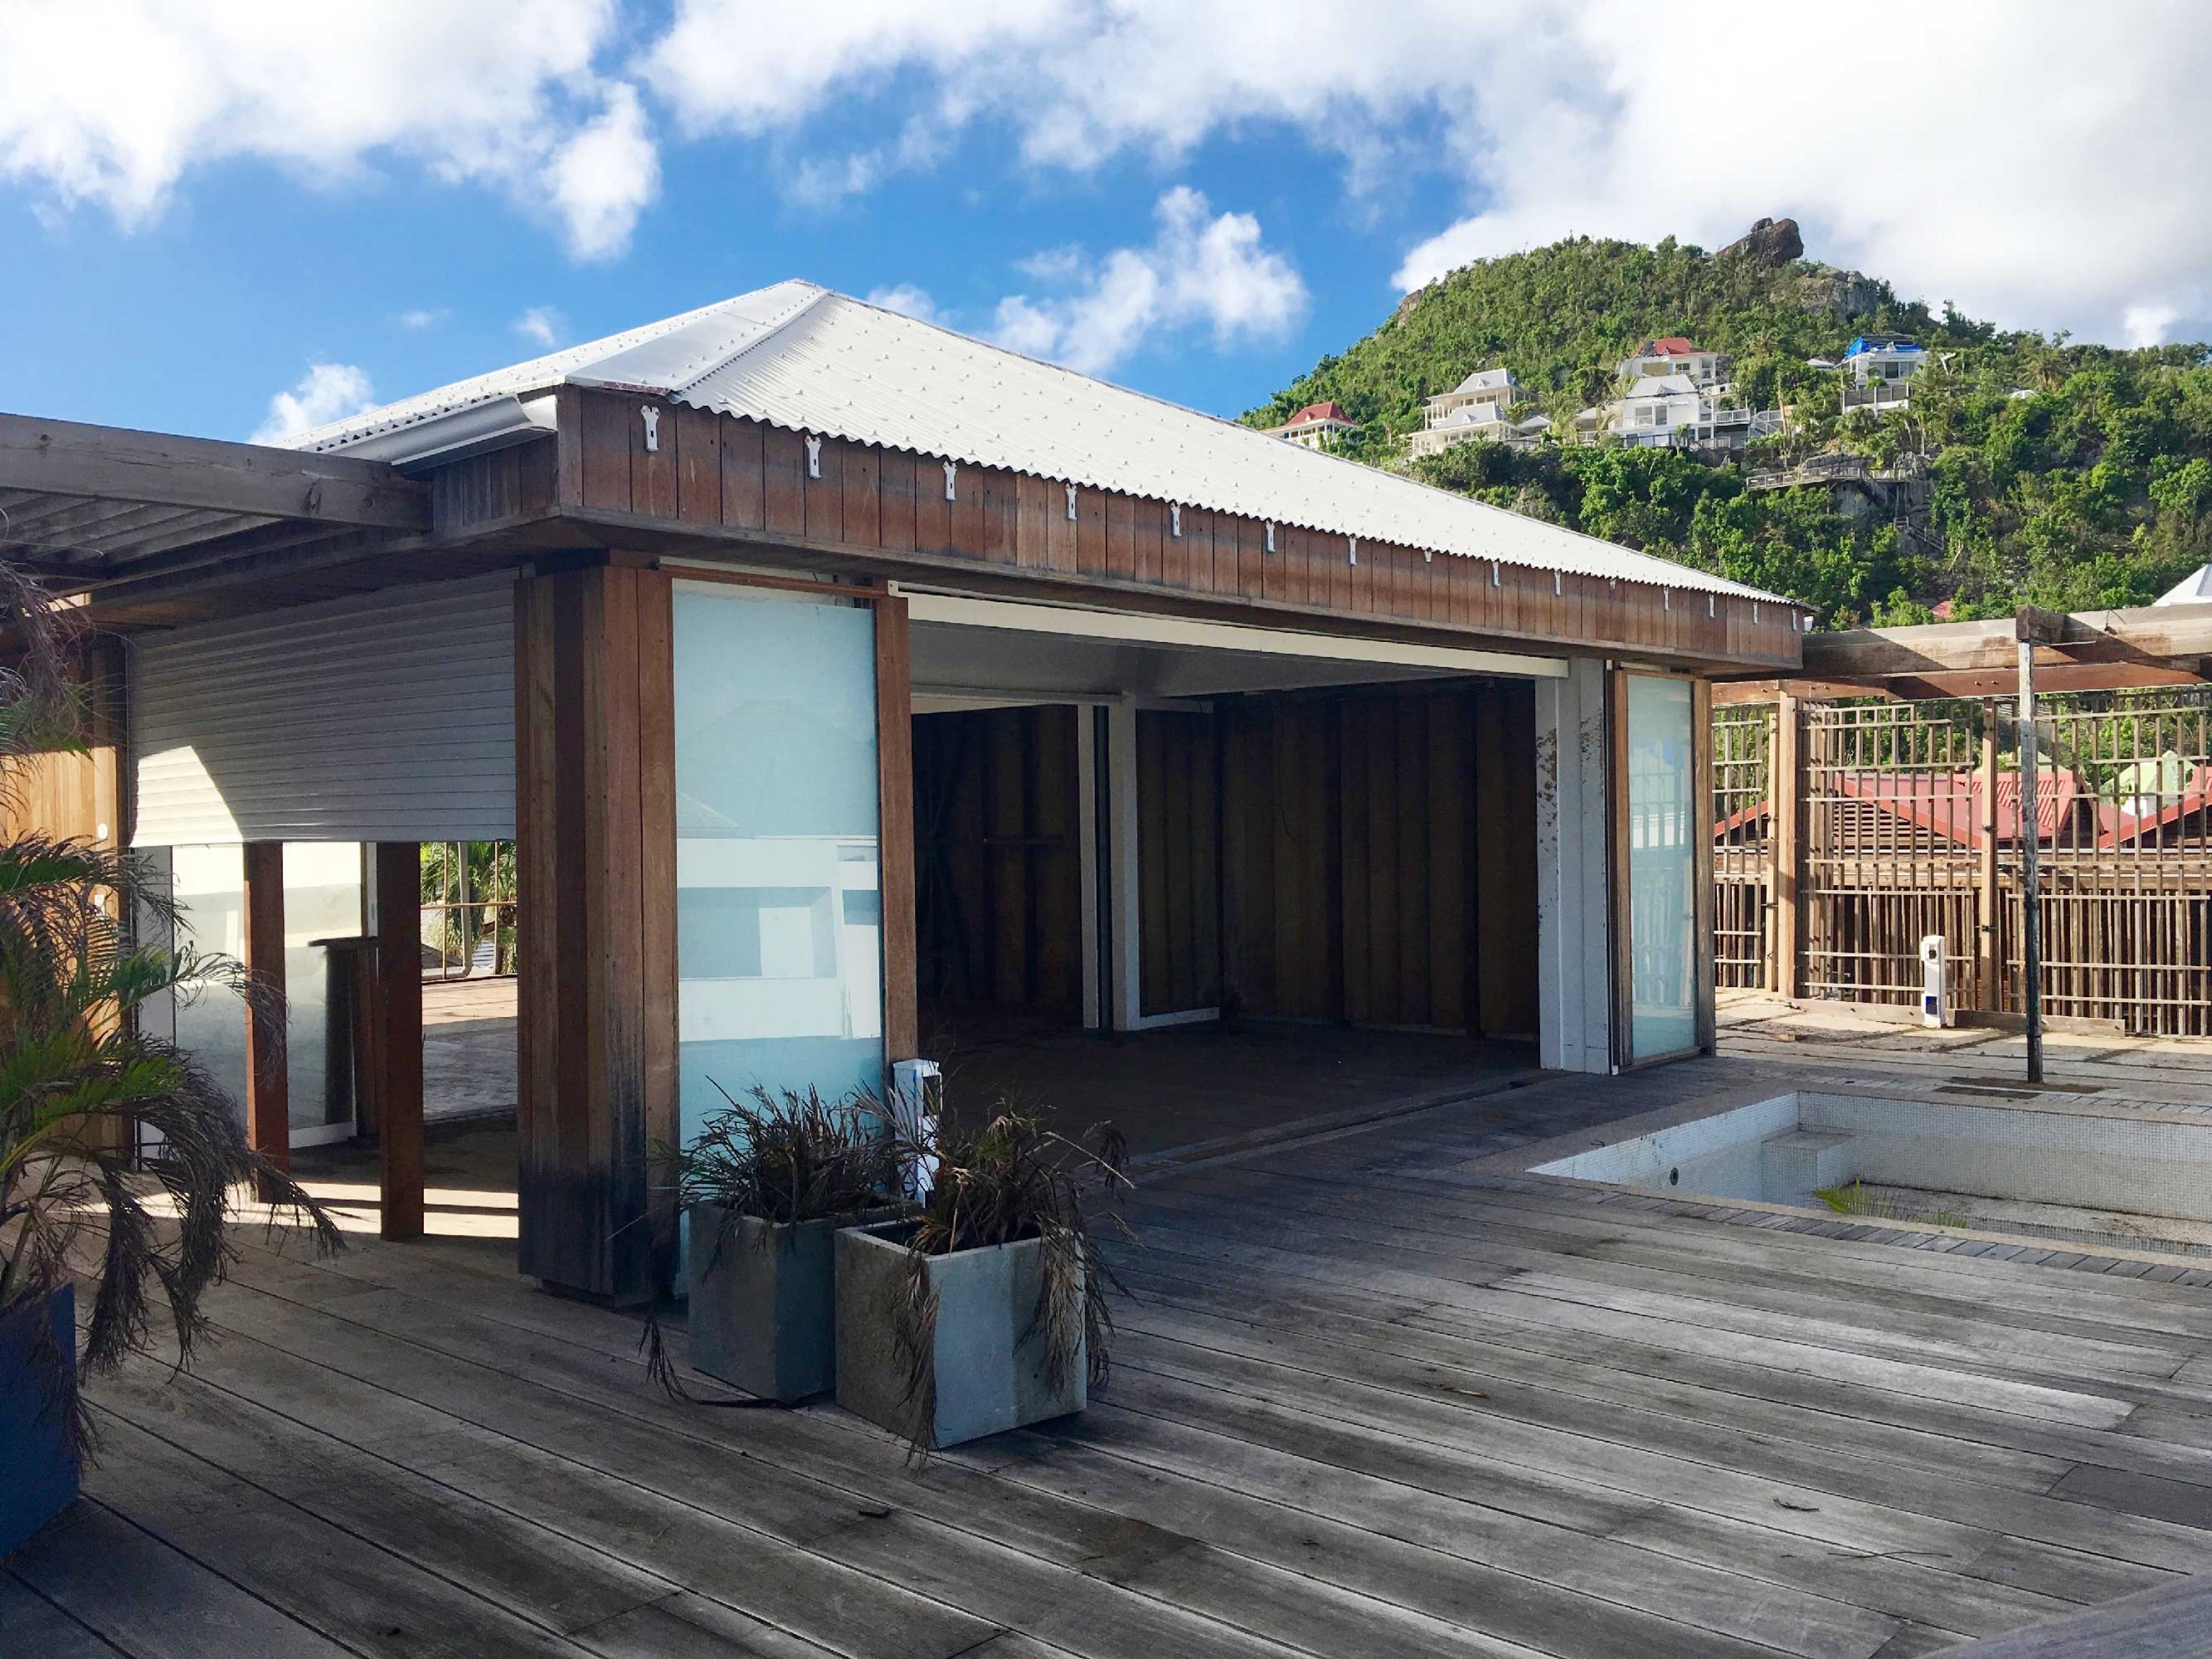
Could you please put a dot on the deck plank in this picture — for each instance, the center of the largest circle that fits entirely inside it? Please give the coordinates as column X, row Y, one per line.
column 1379, row 1393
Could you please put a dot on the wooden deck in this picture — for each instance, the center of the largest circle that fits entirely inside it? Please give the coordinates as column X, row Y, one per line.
column 1374, row 1395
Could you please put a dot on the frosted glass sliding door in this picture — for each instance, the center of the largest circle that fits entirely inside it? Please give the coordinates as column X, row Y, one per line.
column 1662, row 952
column 779, row 918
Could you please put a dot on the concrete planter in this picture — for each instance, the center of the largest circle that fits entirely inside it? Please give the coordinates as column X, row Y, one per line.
column 38, row 1468
column 762, row 1304
column 988, row 1363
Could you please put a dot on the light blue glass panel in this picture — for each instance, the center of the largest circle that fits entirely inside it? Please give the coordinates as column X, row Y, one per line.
column 779, row 927
column 1661, row 869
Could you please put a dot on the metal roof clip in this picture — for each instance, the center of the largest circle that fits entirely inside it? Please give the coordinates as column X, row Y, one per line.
column 813, row 456
column 950, row 470
column 1354, row 543
column 652, row 426
column 1070, row 503
column 1174, row 521
column 1271, row 538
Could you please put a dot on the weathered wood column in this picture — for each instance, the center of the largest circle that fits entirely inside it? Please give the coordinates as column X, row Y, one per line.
column 268, row 1108
column 595, row 864
column 399, row 1086
column 894, row 826
column 1785, row 795
column 1704, row 992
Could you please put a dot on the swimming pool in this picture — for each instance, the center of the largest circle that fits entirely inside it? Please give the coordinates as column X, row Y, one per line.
column 2078, row 1159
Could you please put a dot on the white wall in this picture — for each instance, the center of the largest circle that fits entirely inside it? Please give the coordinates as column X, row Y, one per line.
column 1573, row 944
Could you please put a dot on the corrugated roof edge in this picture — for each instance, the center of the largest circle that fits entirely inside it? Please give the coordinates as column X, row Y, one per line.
column 1697, row 580
column 538, row 375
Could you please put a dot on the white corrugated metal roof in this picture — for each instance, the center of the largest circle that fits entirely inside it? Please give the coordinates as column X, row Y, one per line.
column 805, row 358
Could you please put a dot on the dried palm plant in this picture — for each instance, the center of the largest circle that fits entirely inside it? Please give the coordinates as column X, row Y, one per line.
column 784, row 1161
column 1009, row 1180
column 83, row 1089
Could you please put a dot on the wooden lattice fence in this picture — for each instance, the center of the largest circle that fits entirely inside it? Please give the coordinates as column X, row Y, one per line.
column 1900, row 820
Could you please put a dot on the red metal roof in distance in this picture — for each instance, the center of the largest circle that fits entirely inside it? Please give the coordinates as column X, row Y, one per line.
column 1331, row 410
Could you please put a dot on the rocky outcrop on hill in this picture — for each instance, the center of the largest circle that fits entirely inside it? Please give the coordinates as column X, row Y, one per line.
column 1770, row 243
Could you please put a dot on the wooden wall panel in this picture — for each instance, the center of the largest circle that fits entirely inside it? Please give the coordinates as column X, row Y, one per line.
column 595, row 864
column 77, row 794
column 1504, row 742
column 1362, row 836
column 858, row 504
column 998, row 886
column 1178, row 870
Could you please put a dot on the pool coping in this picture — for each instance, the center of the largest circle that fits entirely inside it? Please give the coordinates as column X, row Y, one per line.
column 1516, row 1168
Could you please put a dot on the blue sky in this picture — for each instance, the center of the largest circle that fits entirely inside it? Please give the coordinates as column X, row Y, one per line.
column 206, row 199
column 250, row 274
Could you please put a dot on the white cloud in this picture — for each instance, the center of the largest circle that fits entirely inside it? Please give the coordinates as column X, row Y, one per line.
column 114, row 102
column 2150, row 325
column 2046, row 172
column 602, row 178
column 326, row 393
column 542, row 326
column 1211, row 272
column 420, row 318
column 907, row 300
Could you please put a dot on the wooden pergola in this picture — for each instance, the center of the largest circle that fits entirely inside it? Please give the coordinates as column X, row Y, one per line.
column 2032, row 652
column 147, row 528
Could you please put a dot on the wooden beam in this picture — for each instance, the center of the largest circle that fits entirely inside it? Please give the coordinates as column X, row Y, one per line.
column 399, row 1093
column 267, row 1110
column 1786, row 786
column 895, row 815
column 66, row 457
column 1732, row 694
column 2031, row 883
column 2150, row 636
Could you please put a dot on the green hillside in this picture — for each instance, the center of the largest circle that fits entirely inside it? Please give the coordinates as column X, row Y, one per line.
column 2058, row 473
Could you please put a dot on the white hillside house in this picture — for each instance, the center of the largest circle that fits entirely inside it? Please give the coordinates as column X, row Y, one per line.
column 1662, row 410
column 1878, row 370
column 1658, row 358
column 1477, row 410
column 1317, row 425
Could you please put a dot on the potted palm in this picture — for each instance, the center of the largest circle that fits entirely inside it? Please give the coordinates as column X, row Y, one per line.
column 987, row 1309
column 82, row 1090
column 764, row 1187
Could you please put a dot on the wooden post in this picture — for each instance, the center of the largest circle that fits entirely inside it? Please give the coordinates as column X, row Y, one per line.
column 1988, row 964
column 267, row 1110
column 399, row 1094
column 1785, row 795
column 595, row 864
column 2031, row 886
column 895, row 828
column 1705, row 1020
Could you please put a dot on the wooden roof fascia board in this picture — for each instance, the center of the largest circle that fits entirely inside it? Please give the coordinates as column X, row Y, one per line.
column 615, row 528
column 68, row 457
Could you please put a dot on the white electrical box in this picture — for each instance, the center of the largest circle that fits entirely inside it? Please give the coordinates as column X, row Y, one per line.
column 1934, row 982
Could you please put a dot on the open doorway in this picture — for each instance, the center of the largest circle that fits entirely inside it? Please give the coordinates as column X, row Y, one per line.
column 999, row 890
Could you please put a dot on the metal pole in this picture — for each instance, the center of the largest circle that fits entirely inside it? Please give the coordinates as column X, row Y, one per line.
column 2031, row 884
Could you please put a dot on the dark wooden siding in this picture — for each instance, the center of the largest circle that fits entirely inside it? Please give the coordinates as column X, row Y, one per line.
column 1379, row 858
column 740, row 482
column 999, row 882
column 1178, row 863
column 595, row 858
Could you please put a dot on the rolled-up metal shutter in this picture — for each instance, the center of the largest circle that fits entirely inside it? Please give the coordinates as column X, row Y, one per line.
column 384, row 717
